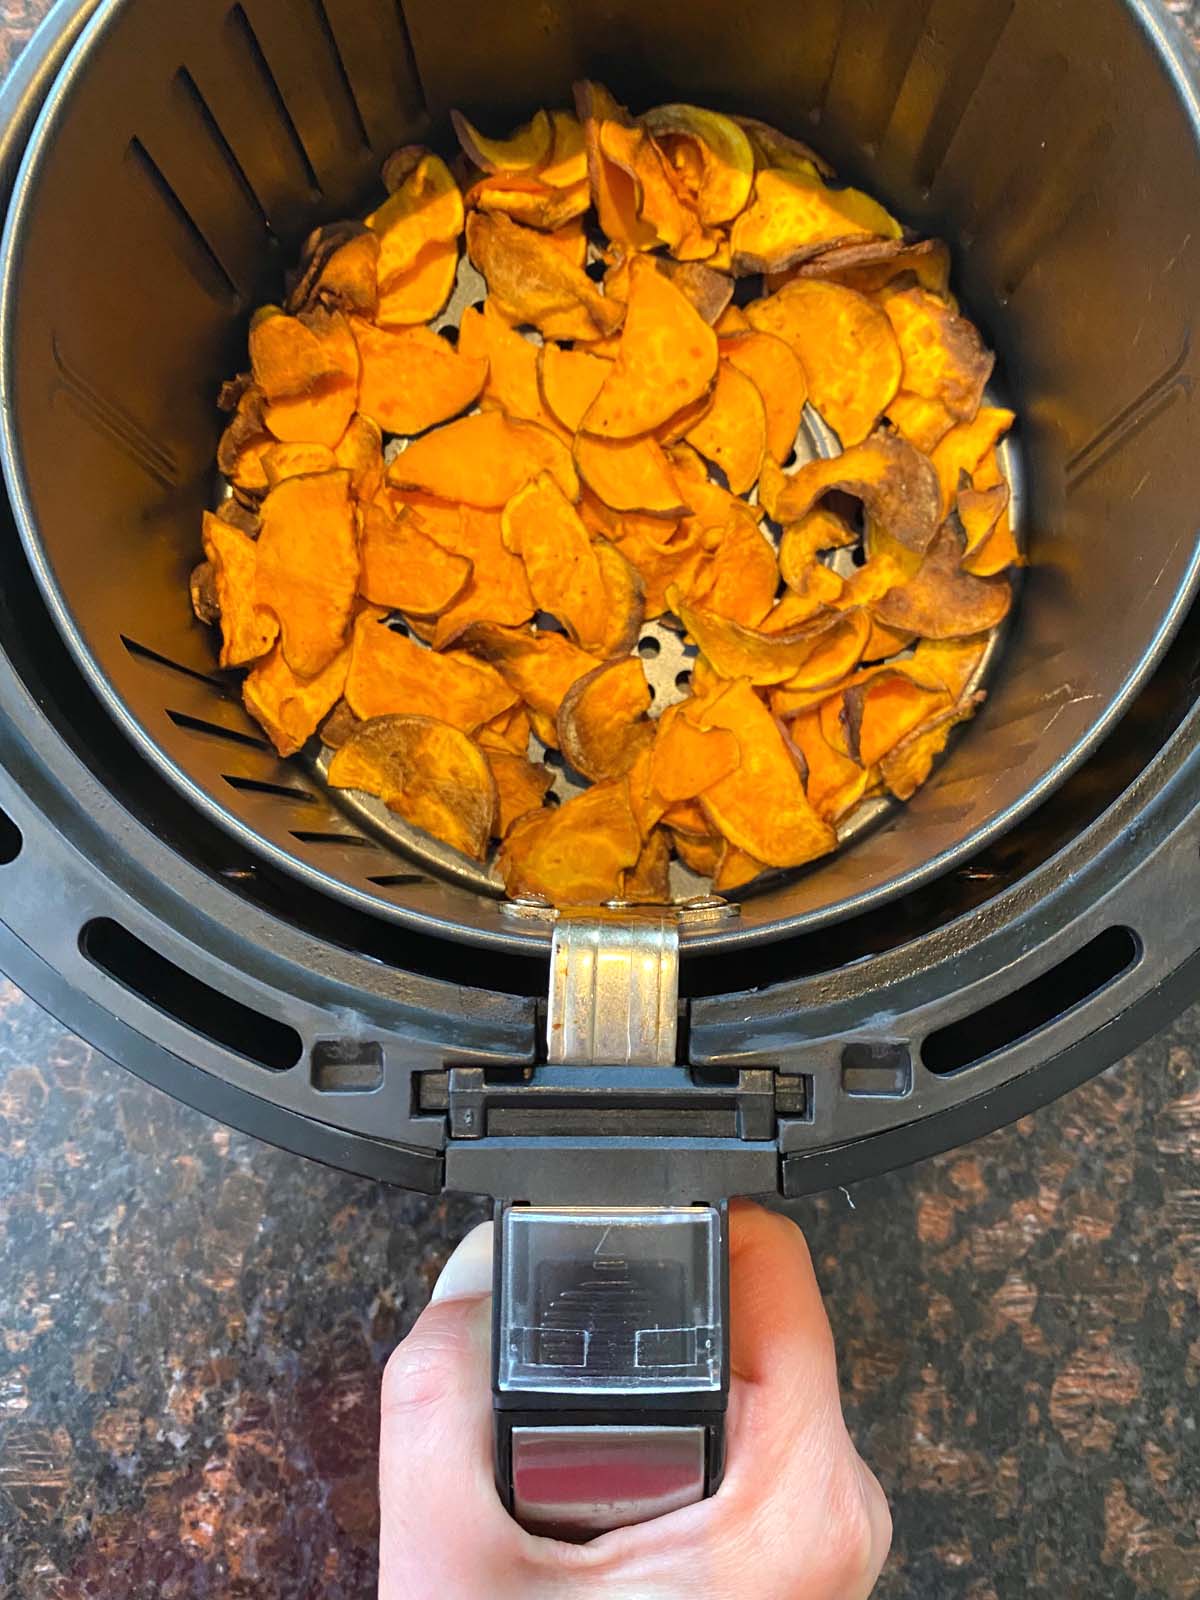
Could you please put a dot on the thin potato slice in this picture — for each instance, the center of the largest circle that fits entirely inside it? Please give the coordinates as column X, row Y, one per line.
column 775, row 370
column 896, row 484
column 307, row 567
column 414, row 379
column 835, row 783
column 943, row 601
column 425, row 208
column 948, row 663
column 289, row 708
column 542, row 854
column 944, row 358
column 403, row 569
column 390, row 674
column 614, row 193
column 509, row 732
column 540, row 525
column 808, row 578
column 710, row 292
column 736, row 869
column 531, row 281
column 846, row 346
column 521, row 787
column 794, row 215
column 657, row 202
column 282, row 461
column 648, row 881
column 924, row 423
column 630, row 475
column 569, row 380
column 881, row 712
column 360, row 451
column 527, row 148
column 811, row 591
column 735, row 651
column 602, row 721
column 568, row 158
column 732, row 433
column 687, row 760
column 244, row 442
column 700, row 853
column 338, row 270
column 838, row 651
column 908, row 764
column 420, row 291
column 667, row 358
column 965, row 446
column 428, row 772
column 869, row 265
column 530, row 202
column 661, row 552
column 483, row 461
column 625, row 594
column 772, row 148
column 726, row 160
column 498, row 588
column 511, row 384
column 539, row 667
column 248, row 629
column 294, row 355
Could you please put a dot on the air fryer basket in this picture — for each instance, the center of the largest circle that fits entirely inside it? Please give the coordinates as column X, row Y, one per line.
column 187, row 150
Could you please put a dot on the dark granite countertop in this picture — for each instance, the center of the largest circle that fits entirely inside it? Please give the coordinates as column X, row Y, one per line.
column 194, row 1326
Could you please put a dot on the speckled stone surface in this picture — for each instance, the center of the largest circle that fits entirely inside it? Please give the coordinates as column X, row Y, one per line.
column 193, row 1325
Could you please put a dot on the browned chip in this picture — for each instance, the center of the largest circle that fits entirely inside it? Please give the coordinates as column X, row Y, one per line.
column 944, row 357
column 540, row 667
column 662, row 216
column 879, row 713
column 794, row 214
column 943, row 601
column 835, row 783
column 896, row 484
column 307, row 567
column 602, row 721
column 390, row 673
column 521, row 787
column 869, row 265
column 907, row 765
column 775, row 149
column 338, row 269
column 542, row 853
column 965, row 447
column 428, row 772
column 248, row 629
column 244, row 442
column 648, row 881
column 687, row 759
column 735, row 869
column 288, row 707
column 498, row 588
column 531, row 281
column 710, row 292
column 282, row 461
column 403, row 568
column 761, row 658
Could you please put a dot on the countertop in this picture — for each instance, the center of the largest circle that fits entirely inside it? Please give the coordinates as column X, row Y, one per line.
column 194, row 1325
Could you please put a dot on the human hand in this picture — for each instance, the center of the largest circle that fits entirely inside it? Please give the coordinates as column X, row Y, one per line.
column 799, row 1514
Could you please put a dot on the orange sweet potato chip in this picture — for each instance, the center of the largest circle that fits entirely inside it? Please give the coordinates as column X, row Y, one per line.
column 629, row 475
column 425, row 208
column 338, row 270
column 614, row 193
column 774, row 369
column 542, row 855
column 403, row 569
column 869, row 265
column 760, row 808
column 509, row 732
column 511, row 384
column 881, row 712
column 657, row 203
column 483, row 460
column 700, row 853
column 943, row 356
column 248, row 629
column 661, row 552
column 530, row 202
column 949, row 664
column 498, row 588
column 602, row 721
column 732, row 432
column 835, row 783
column 942, row 600
column 244, row 442
column 896, row 484
column 307, row 567
column 648, row 881
column 667, row 358
column 794, row 214
column 708, row 291
column 414, row 379
column 540, row 667
column 735, row 869
column 569, row 380
column 568, row 158
column 532, row 281
column 540, row 525
column 922, row 422
column 810, row 591
column 846, row 346
column 735, row 651
column 282, row 461
column 965, row 446
column 428, row 772
column 291, row 708
column 570, row 240
column 521, row 787
column 772, row 148
column 307, row 370
column 421, row 290
column 989, row 547
column 527, row 149
column 687, row 760
column 389, row 674
column 804, row 574
column 724, row 170
column 360, row 451
column 907, row 765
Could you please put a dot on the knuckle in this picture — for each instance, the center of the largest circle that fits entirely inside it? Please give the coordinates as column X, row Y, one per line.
column 419, row 1374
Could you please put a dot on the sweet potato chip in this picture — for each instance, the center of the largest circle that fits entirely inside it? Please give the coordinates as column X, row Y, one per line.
column 775, row 371
column 307, row 567
column 282, row 461
column 794, row 214
column 667, row 358
column 530, row 202
column 726, row 160
column 943, row 601
column 570, row 240
column 540, row 525
column 526, row 149
column 422, row 289
column 709, row 292
column 532, row 281
column 540, row 667
column 687, row 760
column 732, row 432
column 426, row 208
column 403, row 569
column 846, row 346
column 629, row 475
column 614, row 192
column 569, row 380
column 907, row 765
column 922, row 422
column 389, row 674
column 428, row 772
column 648, row 881
column 202, row 591
column 511, row 385
column 815, row 588
column 735, row 869
column 498, row 588
column 896, row 484
column 870, row 265
column 835, row 783
column 761, row 658
column 248, row 629
column 542, row 856
column 837, row 652
column 965, row 446
column 338, row 269
column 483, row 460
column 602, row 721
column 879, row 713
column 360, row 451
column 414, row 379
column 807, row 577
column 244, row 442
column 733, row 320
column 978, row 512
column 774, row 149
column 661, row 552
column 307, row 370
column 943, row 356
column 657, row 203
column 289, row 708
column 760, row 808
column 949, row 664
column 521, row 787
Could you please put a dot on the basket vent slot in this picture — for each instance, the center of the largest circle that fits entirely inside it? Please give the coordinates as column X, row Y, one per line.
column 876, row 1067
column 1034, row 1006
column 280, row 791
column 191, row 724
column 147, row 973
column 10, row 839
column 210, row 270
column 347, row 1066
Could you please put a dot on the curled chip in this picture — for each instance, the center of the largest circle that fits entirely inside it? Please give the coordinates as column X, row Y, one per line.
column 869, row 265
column 498, row 588
column 656, row 201
column 667, row 358
column 846, row 346
column 360, row 451
column 428, row 772
column 602, row 721
column 539, row 667
column 660, row 551
column 774, row 149
column 532, row 281
column 248, row 629
column 569, row 380
column 568, row 157
column 735, row 651
column 687, row 760
column 424, row 209
column 390, row 673
column 811, row 591
column 307, row 369
column 420, row 291
column 521, row 787
column 337, row 270
column 710, row 292
column 723, row 171
column 735, row 869
column 290, row 708
column 739, row 575
column 244, row 442
column 835, row 782
column 807, row 577
column 896, row 484
column 989, row 542
column 760, row 808
column 540, row 525
column 794, row 215
column 879, row 713
column 630, row 475
column 525, row 150
column 307, row 567
column 511, row 384
column 282, row 461
column 414, row 379
column 483, row 461
column 775, row 371
column 907, row 765
column 542, row 853
column 403, row 568
column 922, row 422
column 943, row 601
column 648, row 881
column 614, row 193
column 530, row 202
column 965, row 446
column 943, row 356
column 700, row 853
column 508, row 732
column 732, row 433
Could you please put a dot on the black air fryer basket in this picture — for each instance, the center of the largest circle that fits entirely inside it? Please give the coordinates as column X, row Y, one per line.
column 205, row 913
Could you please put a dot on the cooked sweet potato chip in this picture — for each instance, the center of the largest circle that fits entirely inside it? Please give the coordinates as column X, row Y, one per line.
column 425, row 208
column 360, row 451
column 978, row 511
column 569, row 380
column 700, row 853
column 922, row 422
column 725, row 172
column 282, row 461
column 307, row 567
column 774, row 149
column 870, row 265
column 687, row 760
column 794, row 215
column 775, row 371
column 570, row 240
column 660, row 551
column 403, row 569
column 428, row 772
column 540, row 525
column 736, row 651
column 521, row 787
column 710, row 292
column 948, row 664
column 527, row 148
column 248, row 629
column 414, row 379
column 614, row 193
column 289, row 708
column 244, row 442
column 943, row 601
column 542, row 855
column 965, row 446
column 540, row 667
column 760, row 808
column 815, row 588
column 483, row 460
column 896, row 484
column 736, row 869
column 338, row 269
column 846, row 346
column 531, row 281
column 498, row 588
column 657, row 202
column 307, row 370
column 907, row 765
column 648, row 881
column 421, row 290
column 835, row 783
column 799, row 567
column 530, row 202
column 511, row 385
column 509, row 732
column 667, row 358
column 389, row 673
column 943, row 356
column 629, row 475
column 602, row 721
column 881, row 712
column 732, row 432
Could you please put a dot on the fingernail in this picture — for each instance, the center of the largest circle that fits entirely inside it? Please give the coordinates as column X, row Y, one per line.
column 469, row 1269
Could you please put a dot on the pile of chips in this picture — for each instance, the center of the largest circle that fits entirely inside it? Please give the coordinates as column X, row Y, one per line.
column 439, row 552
